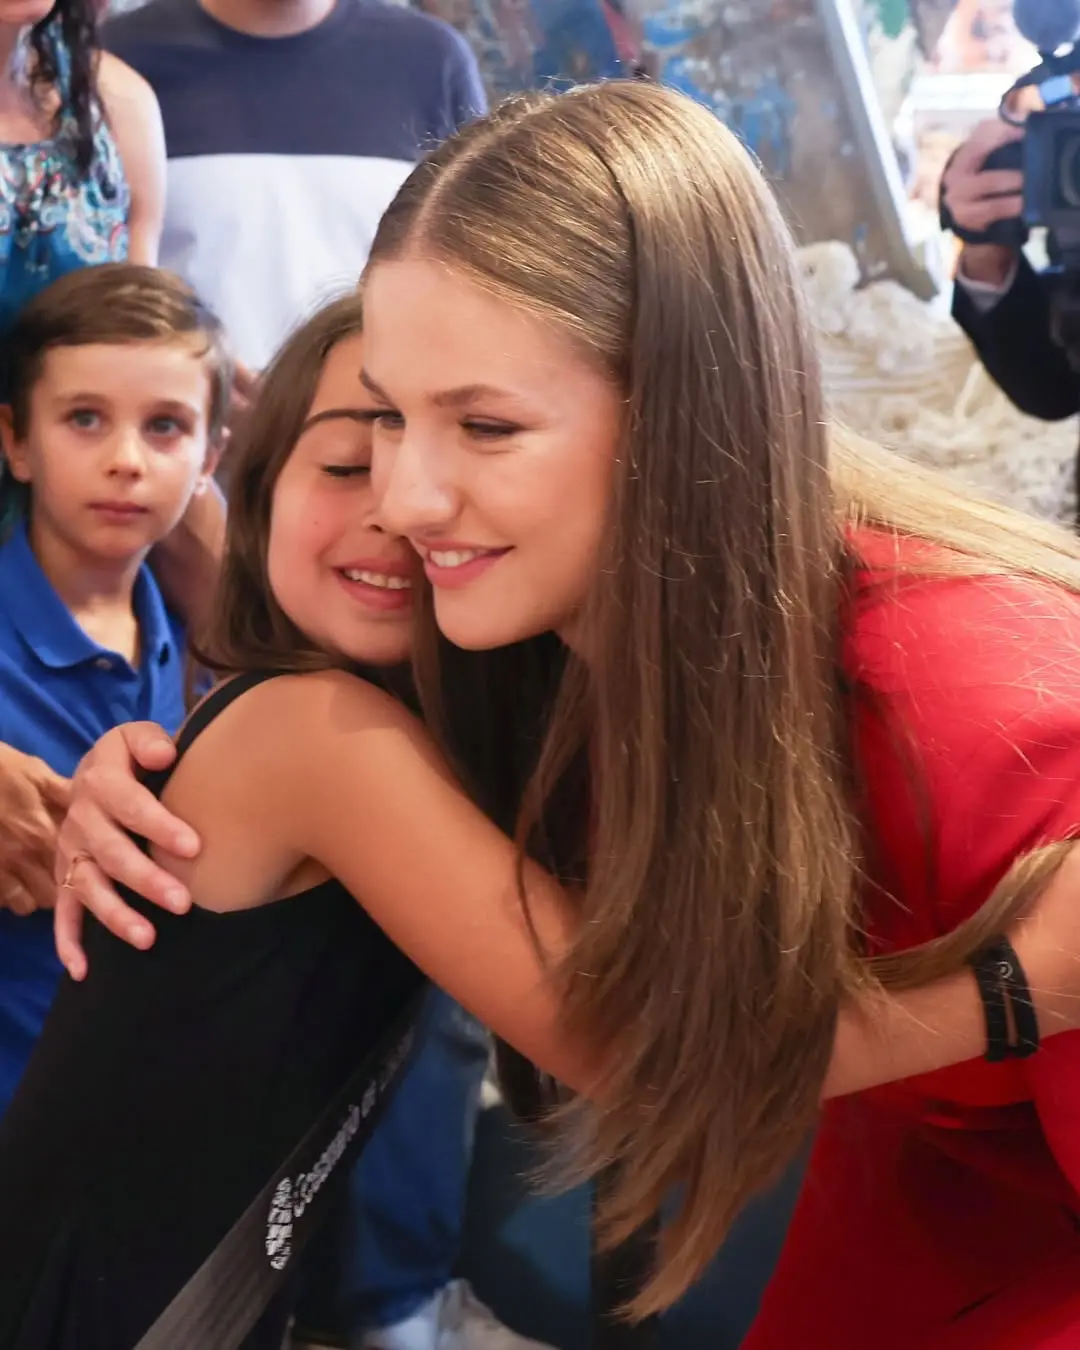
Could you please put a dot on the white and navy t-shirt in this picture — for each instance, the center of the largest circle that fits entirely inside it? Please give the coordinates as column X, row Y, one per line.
column 283, row 153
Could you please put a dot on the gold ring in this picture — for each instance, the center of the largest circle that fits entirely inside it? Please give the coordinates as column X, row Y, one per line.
column 69, row 875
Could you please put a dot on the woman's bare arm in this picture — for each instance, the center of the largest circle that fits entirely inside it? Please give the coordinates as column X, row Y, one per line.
column 899, row 1036
column 369, row 798
column 332, row 769
column 372, row 801
column 135, row 119
column 480, row 937
column 941, row 1024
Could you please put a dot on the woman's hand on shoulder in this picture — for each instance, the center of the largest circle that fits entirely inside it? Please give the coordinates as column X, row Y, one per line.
column 109, row 805
column 94, row 847
column 134, row 117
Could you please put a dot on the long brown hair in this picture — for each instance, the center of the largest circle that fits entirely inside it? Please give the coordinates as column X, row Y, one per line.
column 248, row 629
column 720, row 926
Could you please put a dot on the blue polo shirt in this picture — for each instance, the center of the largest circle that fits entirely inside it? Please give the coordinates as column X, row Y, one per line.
column 59, row 692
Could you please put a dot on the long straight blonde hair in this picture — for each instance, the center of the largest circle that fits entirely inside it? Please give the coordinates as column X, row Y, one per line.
column 720, row 924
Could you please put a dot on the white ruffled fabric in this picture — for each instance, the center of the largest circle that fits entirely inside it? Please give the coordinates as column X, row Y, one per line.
column 900, row 371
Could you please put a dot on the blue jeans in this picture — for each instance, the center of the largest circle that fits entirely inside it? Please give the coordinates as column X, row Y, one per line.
column 406, row 1202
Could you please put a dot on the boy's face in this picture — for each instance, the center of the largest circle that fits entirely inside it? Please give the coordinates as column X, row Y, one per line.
column 116, row 443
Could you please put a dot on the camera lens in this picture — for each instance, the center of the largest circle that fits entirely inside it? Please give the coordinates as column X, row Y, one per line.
column 1067, row 170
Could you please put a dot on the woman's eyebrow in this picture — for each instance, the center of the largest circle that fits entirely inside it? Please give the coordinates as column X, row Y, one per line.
column 328, row 414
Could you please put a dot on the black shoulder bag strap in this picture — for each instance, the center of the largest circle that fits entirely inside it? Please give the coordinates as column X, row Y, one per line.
column 229, row 1292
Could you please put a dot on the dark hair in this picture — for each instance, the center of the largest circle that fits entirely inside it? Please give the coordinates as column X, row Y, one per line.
column 69, row 32
column 116, row 303
column 248, row 629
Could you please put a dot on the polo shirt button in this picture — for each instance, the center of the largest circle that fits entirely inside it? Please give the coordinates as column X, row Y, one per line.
column 103, row 663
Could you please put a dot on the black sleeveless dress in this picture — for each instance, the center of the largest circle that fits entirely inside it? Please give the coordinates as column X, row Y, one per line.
column 165, row 1090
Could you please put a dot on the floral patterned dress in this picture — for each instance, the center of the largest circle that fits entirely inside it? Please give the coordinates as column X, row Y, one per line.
column 51, row 219
column 54, row 220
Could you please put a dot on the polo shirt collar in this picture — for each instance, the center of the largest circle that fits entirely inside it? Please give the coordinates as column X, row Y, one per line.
column 47, row 626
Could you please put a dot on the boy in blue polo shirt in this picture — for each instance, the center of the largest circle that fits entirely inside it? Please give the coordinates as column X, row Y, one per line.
column 120, row 387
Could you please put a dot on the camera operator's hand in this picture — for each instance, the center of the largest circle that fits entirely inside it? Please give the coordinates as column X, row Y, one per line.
column 978, row 197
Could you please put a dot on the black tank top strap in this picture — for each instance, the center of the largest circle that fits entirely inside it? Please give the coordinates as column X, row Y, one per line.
column 211, row 706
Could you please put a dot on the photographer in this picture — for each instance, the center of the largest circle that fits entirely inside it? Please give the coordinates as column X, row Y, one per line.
column 1015, row 172
column 1017, row 320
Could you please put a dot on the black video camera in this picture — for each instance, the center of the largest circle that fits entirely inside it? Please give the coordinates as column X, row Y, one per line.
column 1046, row 103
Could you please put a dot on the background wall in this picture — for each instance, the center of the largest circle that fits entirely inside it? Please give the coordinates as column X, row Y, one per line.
column 812, row 86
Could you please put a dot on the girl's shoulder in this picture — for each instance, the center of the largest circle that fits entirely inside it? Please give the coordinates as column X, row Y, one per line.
column 320, row 726
column 272, row 709
column 261, row 757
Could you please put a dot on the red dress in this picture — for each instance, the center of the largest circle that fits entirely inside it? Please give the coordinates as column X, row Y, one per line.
column 943, row 1213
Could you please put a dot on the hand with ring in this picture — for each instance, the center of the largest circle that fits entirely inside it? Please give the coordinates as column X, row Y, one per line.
column 68, row 883
column 33, row 800
column 108, row 806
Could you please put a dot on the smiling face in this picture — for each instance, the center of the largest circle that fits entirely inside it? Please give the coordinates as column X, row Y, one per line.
column 335, row 571
column 116, row 441
column 494, row 448
column 627, row 235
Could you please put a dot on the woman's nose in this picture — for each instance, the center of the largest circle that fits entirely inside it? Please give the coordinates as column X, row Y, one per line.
column 412, row 496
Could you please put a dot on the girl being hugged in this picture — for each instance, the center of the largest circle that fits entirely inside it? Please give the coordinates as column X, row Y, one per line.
column 809, row 734
column 165, row 1090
